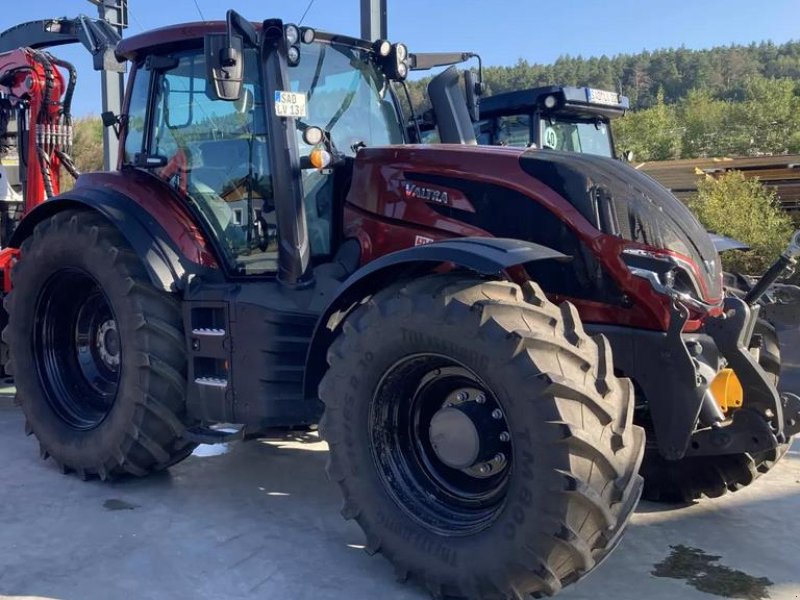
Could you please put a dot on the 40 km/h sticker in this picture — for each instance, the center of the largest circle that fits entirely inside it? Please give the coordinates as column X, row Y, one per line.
column 290, row 104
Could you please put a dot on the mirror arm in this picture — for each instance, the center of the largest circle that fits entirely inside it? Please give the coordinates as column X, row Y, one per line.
column 238, row 24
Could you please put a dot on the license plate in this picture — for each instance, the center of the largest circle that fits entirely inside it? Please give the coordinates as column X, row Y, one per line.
column 603, row 97
column 290, row 104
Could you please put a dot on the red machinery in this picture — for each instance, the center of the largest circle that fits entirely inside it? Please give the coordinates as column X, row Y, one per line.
column 32, row 86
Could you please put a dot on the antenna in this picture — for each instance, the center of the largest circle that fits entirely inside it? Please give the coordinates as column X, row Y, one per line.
column 200, row 12
column 308, row 8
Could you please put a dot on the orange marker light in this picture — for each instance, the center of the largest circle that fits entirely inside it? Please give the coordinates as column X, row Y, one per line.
column 319, row 158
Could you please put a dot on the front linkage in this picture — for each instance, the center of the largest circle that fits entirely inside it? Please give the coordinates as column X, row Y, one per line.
column 675, row 371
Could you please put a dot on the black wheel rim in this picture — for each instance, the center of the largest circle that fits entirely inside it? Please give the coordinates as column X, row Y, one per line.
column 77, row 349
column 422, row 475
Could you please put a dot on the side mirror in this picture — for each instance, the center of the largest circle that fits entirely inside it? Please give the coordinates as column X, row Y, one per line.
column 224, row 67
column 473, row 91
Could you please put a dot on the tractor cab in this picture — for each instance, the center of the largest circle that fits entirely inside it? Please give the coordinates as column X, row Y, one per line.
column 571, row 119
column 228, row 154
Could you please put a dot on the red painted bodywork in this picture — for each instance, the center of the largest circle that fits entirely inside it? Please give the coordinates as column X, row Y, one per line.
column 163, row 204
column 384, row 216
column 384, row 219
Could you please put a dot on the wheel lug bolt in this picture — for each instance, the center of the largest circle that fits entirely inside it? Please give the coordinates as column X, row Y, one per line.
column 462, row 396
column 499, row 457
column 485, row 468
column 497, row 414
column 505, row 436
column 480, row 398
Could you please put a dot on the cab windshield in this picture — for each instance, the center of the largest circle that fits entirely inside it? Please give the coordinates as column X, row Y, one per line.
column 347, row 96
column 587, row 136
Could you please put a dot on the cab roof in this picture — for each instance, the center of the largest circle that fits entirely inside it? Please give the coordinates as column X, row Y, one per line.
column 191, row 34
column 575, row 100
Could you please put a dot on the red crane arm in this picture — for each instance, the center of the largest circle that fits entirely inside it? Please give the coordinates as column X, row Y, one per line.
column 31, row 83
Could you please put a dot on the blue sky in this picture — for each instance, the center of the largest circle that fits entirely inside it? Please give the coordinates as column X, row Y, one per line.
column 502, row 31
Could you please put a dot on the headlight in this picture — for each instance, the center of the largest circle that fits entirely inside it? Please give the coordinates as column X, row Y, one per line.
column 293, row 56
column 308, row 35
column 402, row 52
column 668, row 274
column 382, row 48
column 292, row 34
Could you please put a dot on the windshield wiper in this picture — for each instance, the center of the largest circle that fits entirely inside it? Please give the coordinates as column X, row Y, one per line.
column 317, row 72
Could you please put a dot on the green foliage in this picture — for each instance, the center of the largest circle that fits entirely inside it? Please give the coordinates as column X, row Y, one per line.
column 762, row 118
column 651, row 134
column 88, row 142
column 673, row 72
column 743, row 209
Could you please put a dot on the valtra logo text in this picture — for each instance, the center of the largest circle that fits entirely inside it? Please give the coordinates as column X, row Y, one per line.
column 412, row 190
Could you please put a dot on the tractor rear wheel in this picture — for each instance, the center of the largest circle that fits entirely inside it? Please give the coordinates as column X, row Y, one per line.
column 480, row 437
column 97, row 354
column 684, row 481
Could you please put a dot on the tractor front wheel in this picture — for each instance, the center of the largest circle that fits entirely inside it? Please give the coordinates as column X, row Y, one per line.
column 480, row 437
column 97, row 354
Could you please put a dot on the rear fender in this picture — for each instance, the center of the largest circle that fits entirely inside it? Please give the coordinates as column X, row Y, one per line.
column 486, row 256
column 167, row 266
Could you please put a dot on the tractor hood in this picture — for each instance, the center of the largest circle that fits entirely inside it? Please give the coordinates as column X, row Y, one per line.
column 460, row 190
column 624, row 202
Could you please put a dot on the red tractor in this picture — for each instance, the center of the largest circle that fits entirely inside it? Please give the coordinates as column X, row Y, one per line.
column 270, row 253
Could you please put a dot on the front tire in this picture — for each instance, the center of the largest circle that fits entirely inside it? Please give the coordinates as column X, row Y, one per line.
column 97, row 354
column 479, row 436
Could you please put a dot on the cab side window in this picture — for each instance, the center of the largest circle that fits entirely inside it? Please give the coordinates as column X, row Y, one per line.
column 216, row 154
column 137, row 114
column 514, row 130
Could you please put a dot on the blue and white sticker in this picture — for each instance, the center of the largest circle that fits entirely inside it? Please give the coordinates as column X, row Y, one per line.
column 291, row 104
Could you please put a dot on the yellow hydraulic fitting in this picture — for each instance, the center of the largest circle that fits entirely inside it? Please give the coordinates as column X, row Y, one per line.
column 727, row 390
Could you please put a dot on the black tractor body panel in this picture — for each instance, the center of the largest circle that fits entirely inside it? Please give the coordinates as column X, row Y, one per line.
column 247, row 345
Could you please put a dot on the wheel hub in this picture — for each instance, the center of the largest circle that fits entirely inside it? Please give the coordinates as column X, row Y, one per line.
column 468, row 433
column 455, row 438
column 108, row 343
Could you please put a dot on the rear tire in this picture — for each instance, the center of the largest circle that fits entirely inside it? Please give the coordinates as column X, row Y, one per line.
column 539, row 517
column 97, row 353
column 684, row 481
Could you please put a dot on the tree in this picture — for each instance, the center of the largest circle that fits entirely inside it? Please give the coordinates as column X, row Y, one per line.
column 652, row 134
column 744, row 209
column 88, row 143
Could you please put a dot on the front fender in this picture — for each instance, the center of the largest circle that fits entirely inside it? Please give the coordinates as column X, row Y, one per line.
column 486, row 256
column 167, row 268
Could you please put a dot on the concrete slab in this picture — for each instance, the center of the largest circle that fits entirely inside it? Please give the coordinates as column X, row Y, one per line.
column 260, row 520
